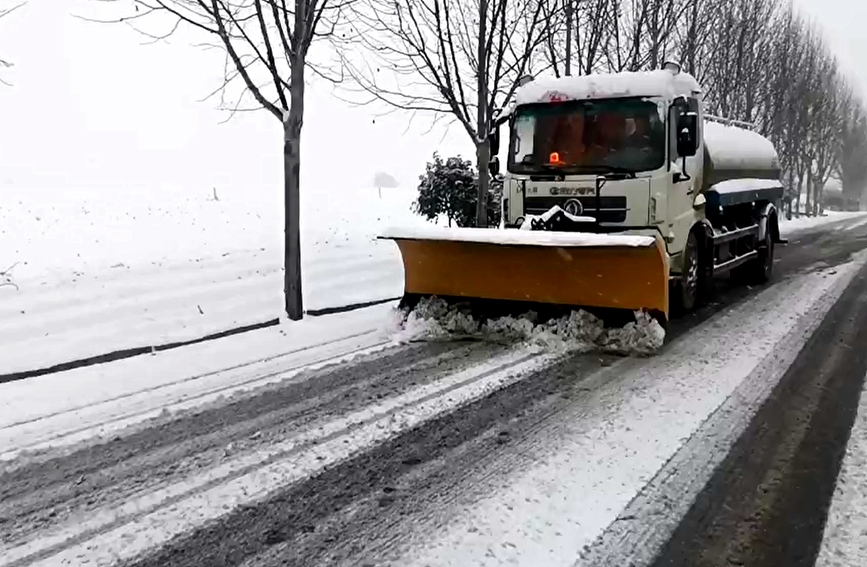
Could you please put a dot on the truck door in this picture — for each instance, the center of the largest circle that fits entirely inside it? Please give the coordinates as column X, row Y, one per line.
column 682, row 192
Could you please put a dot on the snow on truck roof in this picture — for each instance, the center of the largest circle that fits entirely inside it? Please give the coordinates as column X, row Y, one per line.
column 734, row 148
column 596, row 86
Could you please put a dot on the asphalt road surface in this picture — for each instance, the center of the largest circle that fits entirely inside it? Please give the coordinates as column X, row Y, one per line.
column 765, row 505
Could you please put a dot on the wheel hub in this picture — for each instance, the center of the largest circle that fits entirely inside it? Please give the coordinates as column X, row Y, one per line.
column 691, row 271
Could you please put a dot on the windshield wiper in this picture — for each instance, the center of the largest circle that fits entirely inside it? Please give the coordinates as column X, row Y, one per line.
column 616, row 169
column 563, row 170
column 545, row 169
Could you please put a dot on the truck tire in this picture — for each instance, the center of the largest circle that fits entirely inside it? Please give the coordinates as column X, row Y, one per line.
column 687, row 290
column 761, row 268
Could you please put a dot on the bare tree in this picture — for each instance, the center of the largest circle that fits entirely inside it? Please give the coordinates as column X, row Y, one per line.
column 3, row 62
column 852, row 165
column 735, row 72
column 431, row 48
column 266, row 45
column 589, row 34
column 640, row 32
column 760, row 61
column 575, row 35
column 699, row 19
column 782, row 104
column 803, row 96
column 830, row 107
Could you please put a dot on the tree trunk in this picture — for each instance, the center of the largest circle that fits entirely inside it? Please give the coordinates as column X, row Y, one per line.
column 692, row 41
column 820, row 195
column 798, row 196
column 819, row 201
column 568, row 65
column 292, row 200
column 482, row 119
column 809, row 206
column 483, row 151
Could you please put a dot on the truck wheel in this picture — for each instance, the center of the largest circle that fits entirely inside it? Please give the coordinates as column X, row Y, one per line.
column 688, row 285
column 762, row 267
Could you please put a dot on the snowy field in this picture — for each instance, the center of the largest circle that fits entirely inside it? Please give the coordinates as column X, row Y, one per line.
column 94, row 272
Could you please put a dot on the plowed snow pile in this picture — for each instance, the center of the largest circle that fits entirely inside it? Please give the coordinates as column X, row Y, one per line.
column 580, row 331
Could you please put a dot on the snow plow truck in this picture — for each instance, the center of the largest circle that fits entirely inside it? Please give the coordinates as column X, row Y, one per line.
column 621, row 195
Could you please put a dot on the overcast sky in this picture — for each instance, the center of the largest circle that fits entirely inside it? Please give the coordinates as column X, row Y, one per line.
column 92, row 107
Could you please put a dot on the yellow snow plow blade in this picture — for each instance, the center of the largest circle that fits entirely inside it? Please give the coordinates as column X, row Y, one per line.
column 579, row 270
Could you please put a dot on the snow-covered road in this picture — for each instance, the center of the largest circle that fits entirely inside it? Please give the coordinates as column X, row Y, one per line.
column 276, row 448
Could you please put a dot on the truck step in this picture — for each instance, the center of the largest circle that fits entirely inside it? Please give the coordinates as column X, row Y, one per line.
column 734, row 262
column 723, row 237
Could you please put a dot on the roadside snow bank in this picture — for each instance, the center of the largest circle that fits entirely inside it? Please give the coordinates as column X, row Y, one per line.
column 809, row 224
column 61, row 409
column 434, row 318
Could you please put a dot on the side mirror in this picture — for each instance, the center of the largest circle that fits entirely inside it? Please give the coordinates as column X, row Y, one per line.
column 687, row 134
column 494, row 141
column 494, row 166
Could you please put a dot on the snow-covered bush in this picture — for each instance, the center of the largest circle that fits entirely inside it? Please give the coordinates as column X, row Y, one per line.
column 449, row 188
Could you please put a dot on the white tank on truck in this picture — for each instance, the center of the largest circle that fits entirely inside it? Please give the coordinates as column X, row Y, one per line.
column 734, row 152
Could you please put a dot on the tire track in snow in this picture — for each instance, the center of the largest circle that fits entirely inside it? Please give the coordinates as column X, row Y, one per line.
column 157, row 517
column 644, row 528
column 100, row 475
column 766, row 503
column 410, row 487
column 107, row 415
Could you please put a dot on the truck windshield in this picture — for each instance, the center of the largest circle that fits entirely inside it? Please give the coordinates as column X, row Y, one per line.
column 588, row 136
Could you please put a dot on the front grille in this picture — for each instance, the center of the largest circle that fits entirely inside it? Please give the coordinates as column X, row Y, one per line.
column 611, row 208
